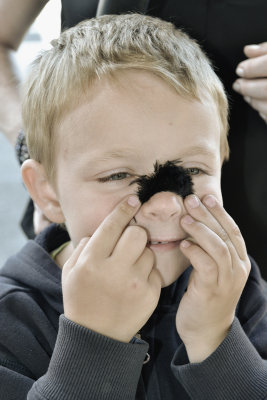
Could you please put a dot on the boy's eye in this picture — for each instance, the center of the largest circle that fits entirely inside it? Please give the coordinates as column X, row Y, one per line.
column 193, row 171
column 114, row 177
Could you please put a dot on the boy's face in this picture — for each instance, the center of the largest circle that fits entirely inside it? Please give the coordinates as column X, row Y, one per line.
column 116, row 134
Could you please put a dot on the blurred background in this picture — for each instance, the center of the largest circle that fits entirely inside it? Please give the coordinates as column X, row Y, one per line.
column 13, row 196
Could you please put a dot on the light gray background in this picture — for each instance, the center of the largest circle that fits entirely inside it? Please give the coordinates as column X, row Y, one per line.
column 13, row 195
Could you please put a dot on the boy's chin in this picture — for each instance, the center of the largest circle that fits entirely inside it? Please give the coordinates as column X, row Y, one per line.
column 170, row 272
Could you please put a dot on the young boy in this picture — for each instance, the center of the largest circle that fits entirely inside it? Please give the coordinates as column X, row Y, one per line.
column 136, row 321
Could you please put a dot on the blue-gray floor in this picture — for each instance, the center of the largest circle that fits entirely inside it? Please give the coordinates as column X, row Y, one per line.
column 13, row 199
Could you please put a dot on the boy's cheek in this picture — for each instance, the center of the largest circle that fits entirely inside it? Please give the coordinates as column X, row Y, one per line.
column 85, row 223
column 205, row 190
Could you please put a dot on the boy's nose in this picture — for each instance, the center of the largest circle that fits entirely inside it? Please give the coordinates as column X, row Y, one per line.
column 162, row 206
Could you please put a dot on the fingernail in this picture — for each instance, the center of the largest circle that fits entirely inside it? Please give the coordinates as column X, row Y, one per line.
column 188, row 220
column 133, row 201
column 193, row 201
column 240, row 71
column 210, row 201
column 237, row 87
column 247, row 99
column 253, row 46
column 185, row 244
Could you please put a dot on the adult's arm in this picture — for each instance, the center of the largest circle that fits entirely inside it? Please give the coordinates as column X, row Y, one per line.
column 16, row 16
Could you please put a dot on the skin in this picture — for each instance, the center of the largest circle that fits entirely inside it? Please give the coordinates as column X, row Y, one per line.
column 111, row 272
column 252, row 83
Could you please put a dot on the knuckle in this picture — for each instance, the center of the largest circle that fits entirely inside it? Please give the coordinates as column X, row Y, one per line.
column 223, row 235
column 84, row 240
column 223, row 251
column 109, row 227
column 235, row 231
column 210, row 269
column 126, row 210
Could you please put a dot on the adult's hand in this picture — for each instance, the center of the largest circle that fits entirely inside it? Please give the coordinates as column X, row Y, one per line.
column 252, row 83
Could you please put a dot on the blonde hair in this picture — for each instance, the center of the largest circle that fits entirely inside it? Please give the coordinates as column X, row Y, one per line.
column 100, row 47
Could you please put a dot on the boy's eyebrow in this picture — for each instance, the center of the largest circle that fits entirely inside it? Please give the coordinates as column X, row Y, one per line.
column 199, row 150
column 128, row 152
column 114, row 154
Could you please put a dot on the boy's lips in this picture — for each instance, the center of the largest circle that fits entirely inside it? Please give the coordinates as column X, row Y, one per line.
column 163, row 244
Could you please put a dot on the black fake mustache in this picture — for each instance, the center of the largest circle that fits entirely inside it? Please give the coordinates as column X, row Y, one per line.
column 167, row 177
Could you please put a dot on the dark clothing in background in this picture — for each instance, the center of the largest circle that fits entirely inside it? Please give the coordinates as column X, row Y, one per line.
column 45, row 356
column 223, row 28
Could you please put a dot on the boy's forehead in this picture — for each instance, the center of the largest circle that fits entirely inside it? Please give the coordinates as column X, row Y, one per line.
column 109, row 114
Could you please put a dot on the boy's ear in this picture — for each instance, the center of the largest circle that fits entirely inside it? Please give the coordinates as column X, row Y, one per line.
column 41, row 190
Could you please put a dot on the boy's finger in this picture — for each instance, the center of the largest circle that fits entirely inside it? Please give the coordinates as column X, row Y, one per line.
column 76, row 254
column 201, row 214
column 199, row 211
column 228, row 224
column 145, row 263
column 205, row 267
column 216, row 246
column 105, row 238
column 131, row 244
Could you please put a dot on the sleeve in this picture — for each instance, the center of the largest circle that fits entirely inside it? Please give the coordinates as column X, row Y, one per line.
column 234, row 371
column 84, row 365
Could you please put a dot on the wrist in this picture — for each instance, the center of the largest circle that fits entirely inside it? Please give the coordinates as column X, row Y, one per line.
column 202, row 347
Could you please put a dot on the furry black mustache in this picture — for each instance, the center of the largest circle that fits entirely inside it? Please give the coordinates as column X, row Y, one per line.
column 167, row 177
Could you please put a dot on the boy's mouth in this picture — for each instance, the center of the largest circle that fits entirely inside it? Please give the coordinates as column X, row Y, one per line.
column 163, row 245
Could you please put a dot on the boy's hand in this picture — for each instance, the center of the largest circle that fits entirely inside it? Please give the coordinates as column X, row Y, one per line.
column 220, row 270
column 109, row 283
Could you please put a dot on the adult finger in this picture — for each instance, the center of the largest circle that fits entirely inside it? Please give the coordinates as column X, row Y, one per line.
column 106, row 236
column 255, row 50
column 253, row 67
column 259, row 105
column 256, row 88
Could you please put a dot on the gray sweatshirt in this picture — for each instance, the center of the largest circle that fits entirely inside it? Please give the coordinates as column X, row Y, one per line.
column 45, row 356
